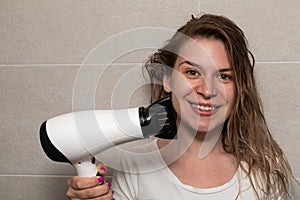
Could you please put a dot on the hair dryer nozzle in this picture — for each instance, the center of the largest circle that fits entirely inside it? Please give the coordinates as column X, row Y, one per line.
column 51, row 151
column 159, row 119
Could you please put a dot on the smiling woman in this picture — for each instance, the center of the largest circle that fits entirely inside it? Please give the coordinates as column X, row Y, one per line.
column 207, row 69
column 245, row 134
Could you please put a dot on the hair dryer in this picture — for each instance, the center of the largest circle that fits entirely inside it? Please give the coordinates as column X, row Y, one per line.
column 75, row 137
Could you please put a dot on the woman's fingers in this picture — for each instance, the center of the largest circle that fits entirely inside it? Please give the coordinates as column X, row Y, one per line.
column 102, row 169
column 97, row 192
column 93, row 188
column 80, row 183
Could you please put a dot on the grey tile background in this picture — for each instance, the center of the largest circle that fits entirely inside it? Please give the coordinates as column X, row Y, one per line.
column 44, row 43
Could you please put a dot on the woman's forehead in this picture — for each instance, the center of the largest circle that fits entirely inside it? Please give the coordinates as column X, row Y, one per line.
column 204, row 52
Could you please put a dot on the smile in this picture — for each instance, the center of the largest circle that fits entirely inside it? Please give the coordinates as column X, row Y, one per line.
column 204, row 108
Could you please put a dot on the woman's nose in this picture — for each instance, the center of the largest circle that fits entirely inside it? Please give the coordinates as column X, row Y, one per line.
column 206, row 88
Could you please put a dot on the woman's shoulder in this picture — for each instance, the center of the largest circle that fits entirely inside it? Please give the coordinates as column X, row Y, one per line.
column 141, row 156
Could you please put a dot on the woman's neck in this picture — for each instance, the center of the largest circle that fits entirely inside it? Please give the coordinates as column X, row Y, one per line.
column 201, row 144
column 193, row 146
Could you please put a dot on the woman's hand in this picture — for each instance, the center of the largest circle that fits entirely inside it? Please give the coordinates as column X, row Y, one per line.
column 90, row 187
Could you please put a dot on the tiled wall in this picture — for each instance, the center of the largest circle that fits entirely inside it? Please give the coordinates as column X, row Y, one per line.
column 44, row 43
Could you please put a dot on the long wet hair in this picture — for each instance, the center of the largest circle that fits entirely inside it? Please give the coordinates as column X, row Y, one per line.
column 245, row 133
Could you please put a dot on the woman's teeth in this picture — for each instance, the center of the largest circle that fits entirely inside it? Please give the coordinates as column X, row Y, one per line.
column 203, row 108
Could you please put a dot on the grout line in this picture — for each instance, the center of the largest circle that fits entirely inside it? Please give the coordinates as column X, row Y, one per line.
column 41, row 176
column 34, row 175
column 64, row 64
column 125, row 64
column 278, row 62
column 37, row 65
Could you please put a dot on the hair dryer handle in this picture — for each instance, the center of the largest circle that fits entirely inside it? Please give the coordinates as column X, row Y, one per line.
column 87, row 168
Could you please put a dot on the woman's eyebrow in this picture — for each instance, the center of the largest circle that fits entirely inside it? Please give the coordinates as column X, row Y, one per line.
column 190, row 63
column 225, row 69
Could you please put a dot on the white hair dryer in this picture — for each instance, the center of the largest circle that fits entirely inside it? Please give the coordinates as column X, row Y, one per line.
column 75, row 137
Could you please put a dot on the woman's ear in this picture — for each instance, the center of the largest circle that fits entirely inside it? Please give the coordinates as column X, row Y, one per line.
column 167, row 83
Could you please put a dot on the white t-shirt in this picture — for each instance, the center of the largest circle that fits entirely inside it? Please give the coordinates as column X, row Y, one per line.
column 145, row 176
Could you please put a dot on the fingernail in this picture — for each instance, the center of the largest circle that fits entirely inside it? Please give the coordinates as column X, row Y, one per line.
column 100, row 180
column 109, row 185
column 103, row 169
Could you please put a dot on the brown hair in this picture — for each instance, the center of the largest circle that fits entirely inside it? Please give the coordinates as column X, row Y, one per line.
column 245, row 133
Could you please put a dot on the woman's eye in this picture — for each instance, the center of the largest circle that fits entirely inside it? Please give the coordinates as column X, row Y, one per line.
column 192, row 73
column 224, row 77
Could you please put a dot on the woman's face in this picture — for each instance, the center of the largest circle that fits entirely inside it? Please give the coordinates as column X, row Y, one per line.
column 202, row 86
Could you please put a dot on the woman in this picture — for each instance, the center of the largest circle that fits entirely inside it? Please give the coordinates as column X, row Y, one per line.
column 207, row 69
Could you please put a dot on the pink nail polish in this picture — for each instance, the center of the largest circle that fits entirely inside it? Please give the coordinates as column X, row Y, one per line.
column 103, row 169
column 109, row 185
column 100, row 180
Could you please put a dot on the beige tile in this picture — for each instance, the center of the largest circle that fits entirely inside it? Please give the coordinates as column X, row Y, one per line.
column 30, row 95
column 271, row 26
column 278, row 84
column 66, row 31
column 122, row 86
column 33, row 188
column 296, row 189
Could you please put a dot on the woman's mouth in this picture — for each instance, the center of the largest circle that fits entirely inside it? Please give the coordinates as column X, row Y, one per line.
column 204, row 109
